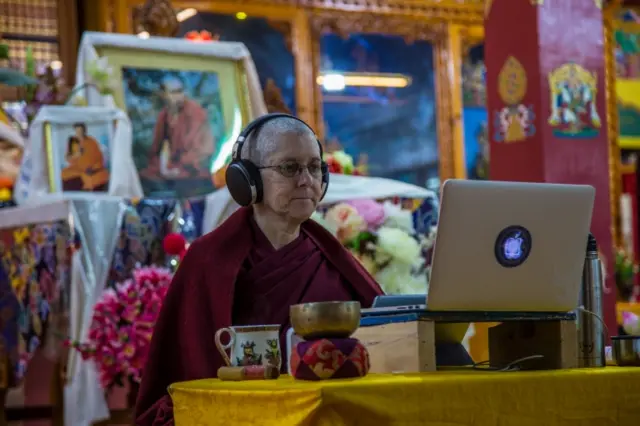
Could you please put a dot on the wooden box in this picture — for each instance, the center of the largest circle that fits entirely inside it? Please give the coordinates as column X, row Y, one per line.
column 407, row 343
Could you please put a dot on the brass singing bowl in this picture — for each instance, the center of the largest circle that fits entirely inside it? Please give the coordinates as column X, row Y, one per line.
column 325, row 319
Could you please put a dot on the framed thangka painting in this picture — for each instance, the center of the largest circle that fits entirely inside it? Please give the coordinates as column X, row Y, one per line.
column 474, row 113
column 186, row 111
column 379, row 97
column 627, row 57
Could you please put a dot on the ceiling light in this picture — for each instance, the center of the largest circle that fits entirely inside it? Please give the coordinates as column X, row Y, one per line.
column 367, row 79
column 332, row 82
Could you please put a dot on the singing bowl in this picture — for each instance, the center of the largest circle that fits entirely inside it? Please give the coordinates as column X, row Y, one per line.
column 626, row 350
column 325, row 319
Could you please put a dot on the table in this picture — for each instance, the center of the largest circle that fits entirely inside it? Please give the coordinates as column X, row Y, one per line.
column 581, row 397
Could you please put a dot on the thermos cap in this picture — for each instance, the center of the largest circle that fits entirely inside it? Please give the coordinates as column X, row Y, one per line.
column 592, row 244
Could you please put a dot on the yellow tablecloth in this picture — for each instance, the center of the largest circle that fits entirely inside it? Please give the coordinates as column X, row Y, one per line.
column 598, row 397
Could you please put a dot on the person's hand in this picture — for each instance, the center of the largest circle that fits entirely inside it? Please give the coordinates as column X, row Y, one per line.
column 87, row 183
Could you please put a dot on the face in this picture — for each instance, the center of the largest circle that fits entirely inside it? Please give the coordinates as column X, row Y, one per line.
column 79, row 131
column 174, row 97
column 297, row 196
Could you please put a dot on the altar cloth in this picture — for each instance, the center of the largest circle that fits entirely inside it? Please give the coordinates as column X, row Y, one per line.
column 581, row 397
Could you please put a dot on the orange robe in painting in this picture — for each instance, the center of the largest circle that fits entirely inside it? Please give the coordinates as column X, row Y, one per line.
column 191, row 144
column 87, row 168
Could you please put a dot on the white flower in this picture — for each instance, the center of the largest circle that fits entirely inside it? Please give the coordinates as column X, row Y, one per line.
column 397, row 217
column 400, row 246
column 317, row 216
column 397, row 278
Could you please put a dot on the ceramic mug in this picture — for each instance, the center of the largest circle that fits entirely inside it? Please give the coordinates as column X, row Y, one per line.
column 250, row 345
column 292, row 340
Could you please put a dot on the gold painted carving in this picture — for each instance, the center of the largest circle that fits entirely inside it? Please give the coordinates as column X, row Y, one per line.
column 345, row 24
column 514, row 118
column 512, row 82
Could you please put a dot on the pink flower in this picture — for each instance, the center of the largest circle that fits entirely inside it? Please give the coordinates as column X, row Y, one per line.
column 371, row 211
column 122, row 325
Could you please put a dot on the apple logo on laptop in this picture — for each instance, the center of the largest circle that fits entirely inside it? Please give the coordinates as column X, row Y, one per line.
column 513, row 246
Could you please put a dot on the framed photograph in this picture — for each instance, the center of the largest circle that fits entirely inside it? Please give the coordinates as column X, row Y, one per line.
column 78, row 151
column 79, row 155
column 187, row 103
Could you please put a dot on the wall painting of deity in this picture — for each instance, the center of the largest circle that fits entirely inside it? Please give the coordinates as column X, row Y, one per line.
column 514, row 122
column 573, row 102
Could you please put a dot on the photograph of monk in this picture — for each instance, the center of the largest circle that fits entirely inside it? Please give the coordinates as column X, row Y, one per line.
column 85, row 160
column 178, row 125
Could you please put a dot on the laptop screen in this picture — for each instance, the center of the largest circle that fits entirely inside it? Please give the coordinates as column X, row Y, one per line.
column 392, row 301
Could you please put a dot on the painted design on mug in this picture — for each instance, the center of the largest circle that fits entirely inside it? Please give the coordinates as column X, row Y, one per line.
column 272, row 354
column 249, row 355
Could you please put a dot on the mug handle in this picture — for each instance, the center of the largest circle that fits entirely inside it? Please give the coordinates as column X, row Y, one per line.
column 223, row 348
column 289, row 340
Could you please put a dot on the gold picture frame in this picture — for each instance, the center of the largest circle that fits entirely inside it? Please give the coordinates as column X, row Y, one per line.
column 232, row 107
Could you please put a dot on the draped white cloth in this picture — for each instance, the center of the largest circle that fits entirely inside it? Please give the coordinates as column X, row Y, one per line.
column 219, row 205
column 33, row 182
column 96, row 221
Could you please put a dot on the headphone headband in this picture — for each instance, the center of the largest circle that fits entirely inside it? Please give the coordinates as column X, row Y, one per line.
column 257, row 124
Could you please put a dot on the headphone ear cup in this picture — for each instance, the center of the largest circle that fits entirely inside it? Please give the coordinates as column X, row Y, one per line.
column 244, row 182
column 325, row 179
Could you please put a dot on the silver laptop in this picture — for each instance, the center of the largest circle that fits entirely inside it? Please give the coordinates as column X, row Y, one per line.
column 510, row 246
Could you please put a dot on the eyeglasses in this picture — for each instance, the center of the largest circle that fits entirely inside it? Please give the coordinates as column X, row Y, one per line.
column 291, row 169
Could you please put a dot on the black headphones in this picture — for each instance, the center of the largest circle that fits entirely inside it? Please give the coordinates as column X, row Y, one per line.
column 243, row 177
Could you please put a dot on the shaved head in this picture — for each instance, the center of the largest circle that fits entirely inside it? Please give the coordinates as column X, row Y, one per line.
column 267, row 139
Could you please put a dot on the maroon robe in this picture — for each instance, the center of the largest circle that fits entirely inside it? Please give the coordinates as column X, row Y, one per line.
column 236, row 259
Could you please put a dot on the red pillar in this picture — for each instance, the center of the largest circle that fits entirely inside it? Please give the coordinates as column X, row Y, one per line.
column 546, row 103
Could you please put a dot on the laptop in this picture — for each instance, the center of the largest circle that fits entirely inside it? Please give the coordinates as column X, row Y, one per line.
column 510, row 246
column 502, row 246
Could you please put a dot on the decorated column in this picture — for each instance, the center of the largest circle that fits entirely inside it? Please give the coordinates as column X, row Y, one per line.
column 546, row 102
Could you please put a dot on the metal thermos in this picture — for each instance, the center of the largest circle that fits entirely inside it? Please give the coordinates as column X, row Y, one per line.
column 591, row 337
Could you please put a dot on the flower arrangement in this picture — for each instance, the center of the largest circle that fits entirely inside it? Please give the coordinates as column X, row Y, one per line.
column 342, row 163
column 625, row 271
column 382, row 237
column 122, row 325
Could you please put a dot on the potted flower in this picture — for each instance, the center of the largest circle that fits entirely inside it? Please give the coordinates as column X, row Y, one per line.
column 123, row 321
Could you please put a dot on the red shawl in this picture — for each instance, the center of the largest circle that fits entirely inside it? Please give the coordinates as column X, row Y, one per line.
column 201, row 299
